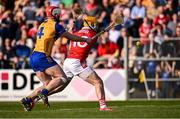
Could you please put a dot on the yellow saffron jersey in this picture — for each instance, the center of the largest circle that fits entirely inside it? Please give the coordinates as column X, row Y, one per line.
column 48, row 32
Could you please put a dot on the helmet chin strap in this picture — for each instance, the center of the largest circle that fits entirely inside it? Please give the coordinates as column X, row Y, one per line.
column 90, row 26
column 56, row 17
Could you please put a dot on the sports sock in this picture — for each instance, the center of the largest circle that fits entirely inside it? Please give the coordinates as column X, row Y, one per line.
column 102, row 103
column 44, row 92
column 29, row 99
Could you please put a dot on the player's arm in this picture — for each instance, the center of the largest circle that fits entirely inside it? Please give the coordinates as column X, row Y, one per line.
column 63, row 33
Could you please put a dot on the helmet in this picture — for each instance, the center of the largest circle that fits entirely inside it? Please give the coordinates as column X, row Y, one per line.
column 90, row 22
column 53, row 12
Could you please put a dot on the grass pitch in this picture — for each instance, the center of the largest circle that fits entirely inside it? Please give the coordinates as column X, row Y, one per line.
column 121, row 109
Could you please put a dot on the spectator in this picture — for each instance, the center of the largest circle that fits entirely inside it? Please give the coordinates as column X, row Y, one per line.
column 2, row 10
column 120, row 41
column 16, row 63
column 138, row 11
column 91, row 59
column 91, row 7
column 128, row 20
column 168, row 48
column 107, row 7
column 65, row 14
column 164, row 71
column 161, row 2
column 29, row 12
column 152, row 11
column 107, row 49
column 59, row 51
column 103, row 20
column 7, row 49
column 116, row 63
column 159, row 37
column 161, row 19
column 114, row 35
column 172, row 24
column 151, row 47
column 40, row 14
column 33, row 31
column 177, row 43
column 177, row 74
column 148, row 3
column 104, row 17
column 169, row 8
column 151, row 73
column 137, row 14
column 4, row 64
column 144, row 30
column 178, row 8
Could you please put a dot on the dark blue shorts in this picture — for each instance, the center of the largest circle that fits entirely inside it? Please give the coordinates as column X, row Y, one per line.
column 40, row 62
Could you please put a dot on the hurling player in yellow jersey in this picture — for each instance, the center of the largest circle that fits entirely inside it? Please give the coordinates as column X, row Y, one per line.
column 46, row 69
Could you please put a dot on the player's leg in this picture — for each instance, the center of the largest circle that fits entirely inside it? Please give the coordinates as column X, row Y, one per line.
column 45, row 79
column 73, row 67
column 91, row 77
column 59, row 88
column 44, row 66
column 58, row 79
column 68, row 73
column 28, row 102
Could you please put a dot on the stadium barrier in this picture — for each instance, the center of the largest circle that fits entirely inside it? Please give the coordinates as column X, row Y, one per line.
column 15, row 85
column 169, row 87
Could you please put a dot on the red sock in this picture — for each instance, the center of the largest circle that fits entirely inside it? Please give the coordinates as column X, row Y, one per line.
column 102, row 103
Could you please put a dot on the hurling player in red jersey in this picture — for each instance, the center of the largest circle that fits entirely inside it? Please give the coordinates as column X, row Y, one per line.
column 74, row 63
column 78, row 52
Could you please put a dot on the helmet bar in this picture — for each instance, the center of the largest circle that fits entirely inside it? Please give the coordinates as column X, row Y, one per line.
column 90, row 26
column 53, row 12
column 56, row 11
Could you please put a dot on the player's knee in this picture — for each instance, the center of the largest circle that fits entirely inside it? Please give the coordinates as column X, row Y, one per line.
column 96, row 79
column 98, row 82
column 88, row 72
column 46, row 82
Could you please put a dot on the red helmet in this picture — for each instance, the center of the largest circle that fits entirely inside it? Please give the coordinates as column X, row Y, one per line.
column 53, row 12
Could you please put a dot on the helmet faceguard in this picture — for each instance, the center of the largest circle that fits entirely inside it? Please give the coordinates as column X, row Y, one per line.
column 53, row 12
column 90, row 22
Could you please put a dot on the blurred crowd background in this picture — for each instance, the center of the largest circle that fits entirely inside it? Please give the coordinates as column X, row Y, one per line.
column 152, row 28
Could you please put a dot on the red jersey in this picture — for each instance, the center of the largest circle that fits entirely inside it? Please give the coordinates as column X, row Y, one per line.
column 161, row 19
column 145, row 29
column 108, row 48
column 80, row 50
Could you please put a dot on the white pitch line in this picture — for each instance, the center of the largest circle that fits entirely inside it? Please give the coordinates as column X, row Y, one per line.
column 63, row 109
column 157, row 106
column 95, row 109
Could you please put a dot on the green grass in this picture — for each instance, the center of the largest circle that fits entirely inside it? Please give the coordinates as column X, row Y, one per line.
column 121, row 109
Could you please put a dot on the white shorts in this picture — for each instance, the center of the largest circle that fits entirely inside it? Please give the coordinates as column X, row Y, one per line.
column 73, row 67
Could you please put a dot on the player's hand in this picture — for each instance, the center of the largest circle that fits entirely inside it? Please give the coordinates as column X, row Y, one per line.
column 87, row 40
column 70, row 26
